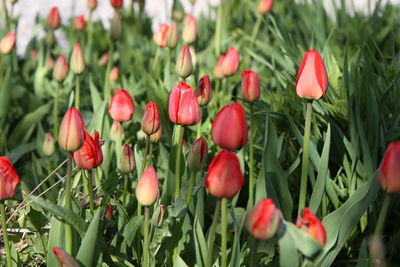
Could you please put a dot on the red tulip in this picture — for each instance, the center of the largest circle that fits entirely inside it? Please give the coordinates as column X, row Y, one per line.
column 231, row 62
column 265, row 6
column 79, row 23
column 72, row 131
column 224, row 176
column 218, row 72
column 64, row 259
column 264, row 220
column 60, row 70
column 114, row 74
column 53, row 20
column 160, row 36
column 151, row 119
column 92, row 4
column 147, row 188
column 389, row 170
column 89, row 156
column 197, row 156
column 9, row 179
column 312, row 79
column 127, row 159
column 7, row 44
column 77, row 62
column 204, row 91
column 121, row 106
column 183, row 105
column 312, row 225
column 250, row 86
column 117, row 3
column 229, row 128
column 184, row 64
column 189, row 33
column 48, row 145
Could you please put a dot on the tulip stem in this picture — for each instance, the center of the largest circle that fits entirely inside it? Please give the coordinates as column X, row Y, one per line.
column 5, row 234
column 146, row 152
column 382, row 215
column 118, row 147
column 191, row 187
column 253, row 252
column 156, row 59
column 179, row 132
column 90, row 36
column 150, row 156
column 224, row 229
column 108, row 69
column 251, row 163
column 90, row 189
column 55, row 110
column 256, row 29
column 304, row 167
column 125, row 194
column 77, row 91
column 146, row 237
column 218, row 31
column 5, row 16
column 211, row 236
column 68, row 187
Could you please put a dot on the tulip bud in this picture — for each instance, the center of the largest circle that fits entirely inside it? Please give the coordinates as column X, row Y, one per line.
column 109, row 212
column 9, row 179
column 50, row 64
column 218, row 72
column 7, row 43
column 184, row 65
column 117, row 131
column 147, row 188
column 114, row 74
column 230, row 119
column 197, row 155
column 172, row 35
column 64, row 259
column 117, row 3
column 183, row 106
column 224, row 176
column 265, row 6
column 60, row 70
column 127, row 159
column 312, row 225
column 48, row 145
column 72, row 131
column 160, row 36
column 231, row 62
column 92, row 4
column 121, row 106
column 189, row 33
column 204, row 91
column 77, row 62
column 89, row 156
column 53, row 20
column 154, row 138
column 151, row 119
column 264, row 220
column 194, row 56
column 250, row 86
column 389, row 169
column 116, row 27
column 312, row 79
column 103, row 59
column 79, row 23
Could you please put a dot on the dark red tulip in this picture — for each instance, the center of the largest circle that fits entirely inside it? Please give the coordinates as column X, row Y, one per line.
column 389, row 170
column 204, row 91
column 312, row 225
column 121, row 106
column 117, row 3
column 9, row 179
column 89, row 156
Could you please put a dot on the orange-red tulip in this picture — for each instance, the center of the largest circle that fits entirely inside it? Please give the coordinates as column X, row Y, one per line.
column 250, row 86
column 72, row 131
column 79, row 23
column 231, row 62
column 7, row 44
column 160, row 36
column 103, row 59
column 183, row 105
column 147, row 188
column 9, row 179
column 389, row 170
column 89, row 156
column 121, row 106
column 114, row 74
column 312, row 225
column 265, row 6
column 53, row 19
column 204, row 91
column 151, row 119
column 92, row 4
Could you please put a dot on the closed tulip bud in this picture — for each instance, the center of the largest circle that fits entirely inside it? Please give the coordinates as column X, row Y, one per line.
column 231, row 62
column 103, row 59
column 224, row 176
column 265, row 6
column 114, row 74
column 160, row 36
column 204, row 91
column 53, row 19
column 77, row 62
column 218, row 72
column 117, row 3
column 154, row 138
column 121, row 106
column 9, row 179
column 172, row 35
column 194, row 56
column 109, row 212
column 230, row 119
column 151, row 119
column 183, row 106
column 312, row 79
column 264, row 220
column 116, row 27
column 79, row 23
column 64, row 259
column 117, row 131
column 147, row 188
column 197, row 155
column 72, row 131
column 389, row 170
column 60, row 70
column 250, row 86
column 189, row 33
column 7, row 44
column 312, row 225
column 184, row 64
column 89, row 156
column 48, row 145
column 127, row 159
column 92, row 4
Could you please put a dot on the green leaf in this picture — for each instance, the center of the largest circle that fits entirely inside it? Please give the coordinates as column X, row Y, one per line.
column 56, row 239
column 178, row 262
column 131, row 228
column 288, row 255
column 200, row 244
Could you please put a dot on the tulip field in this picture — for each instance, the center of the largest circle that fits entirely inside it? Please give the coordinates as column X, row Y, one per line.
column 258, row 133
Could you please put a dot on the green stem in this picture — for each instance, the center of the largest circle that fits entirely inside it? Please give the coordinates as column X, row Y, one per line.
column 304, row 167
column 382, row 215
column 5, row 16
column 90, row 36
column 224, row 232
column 150, row 156
column 211, row 236
column 218, row 31
column 179, row 132
column 125, row 194
column 77, row 92
column 118, row 150
column 156, row 59
column 146, row 237
column 251, row 152
column 191, row 186
column 5, row 234
column 253, row 253
column 90, row 189
column 142, row 167
column 55, row 110
column 68, row 188
column 107, row 92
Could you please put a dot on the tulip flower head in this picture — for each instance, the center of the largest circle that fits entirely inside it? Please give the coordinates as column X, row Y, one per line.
column 389, row 169
column 92, row 4
column 312, row 225
column 264, row 220
column 53, row 19
column 77, row 62
column 117, row 131
column 184, row 63
column 121, row 106
column 172, row 35
column 183, row 106
column 48, row 145
column 79, row 23
column 265, row 6
column 218, row 72
column 72, row 131
column 189, row 33
column 231, row 62
column 7, row 44
column 250, row 86
column 229, row 128
column 160, row 36
column 151, row 119
column 89, row 156
column 147, row 188
column 204, row 91
column 224, row 177
column 9, row 179
column 117, row 3
column 60, row 70
column 64, row 259
column 127, row 159
column 312, row 79
column 197, row 155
